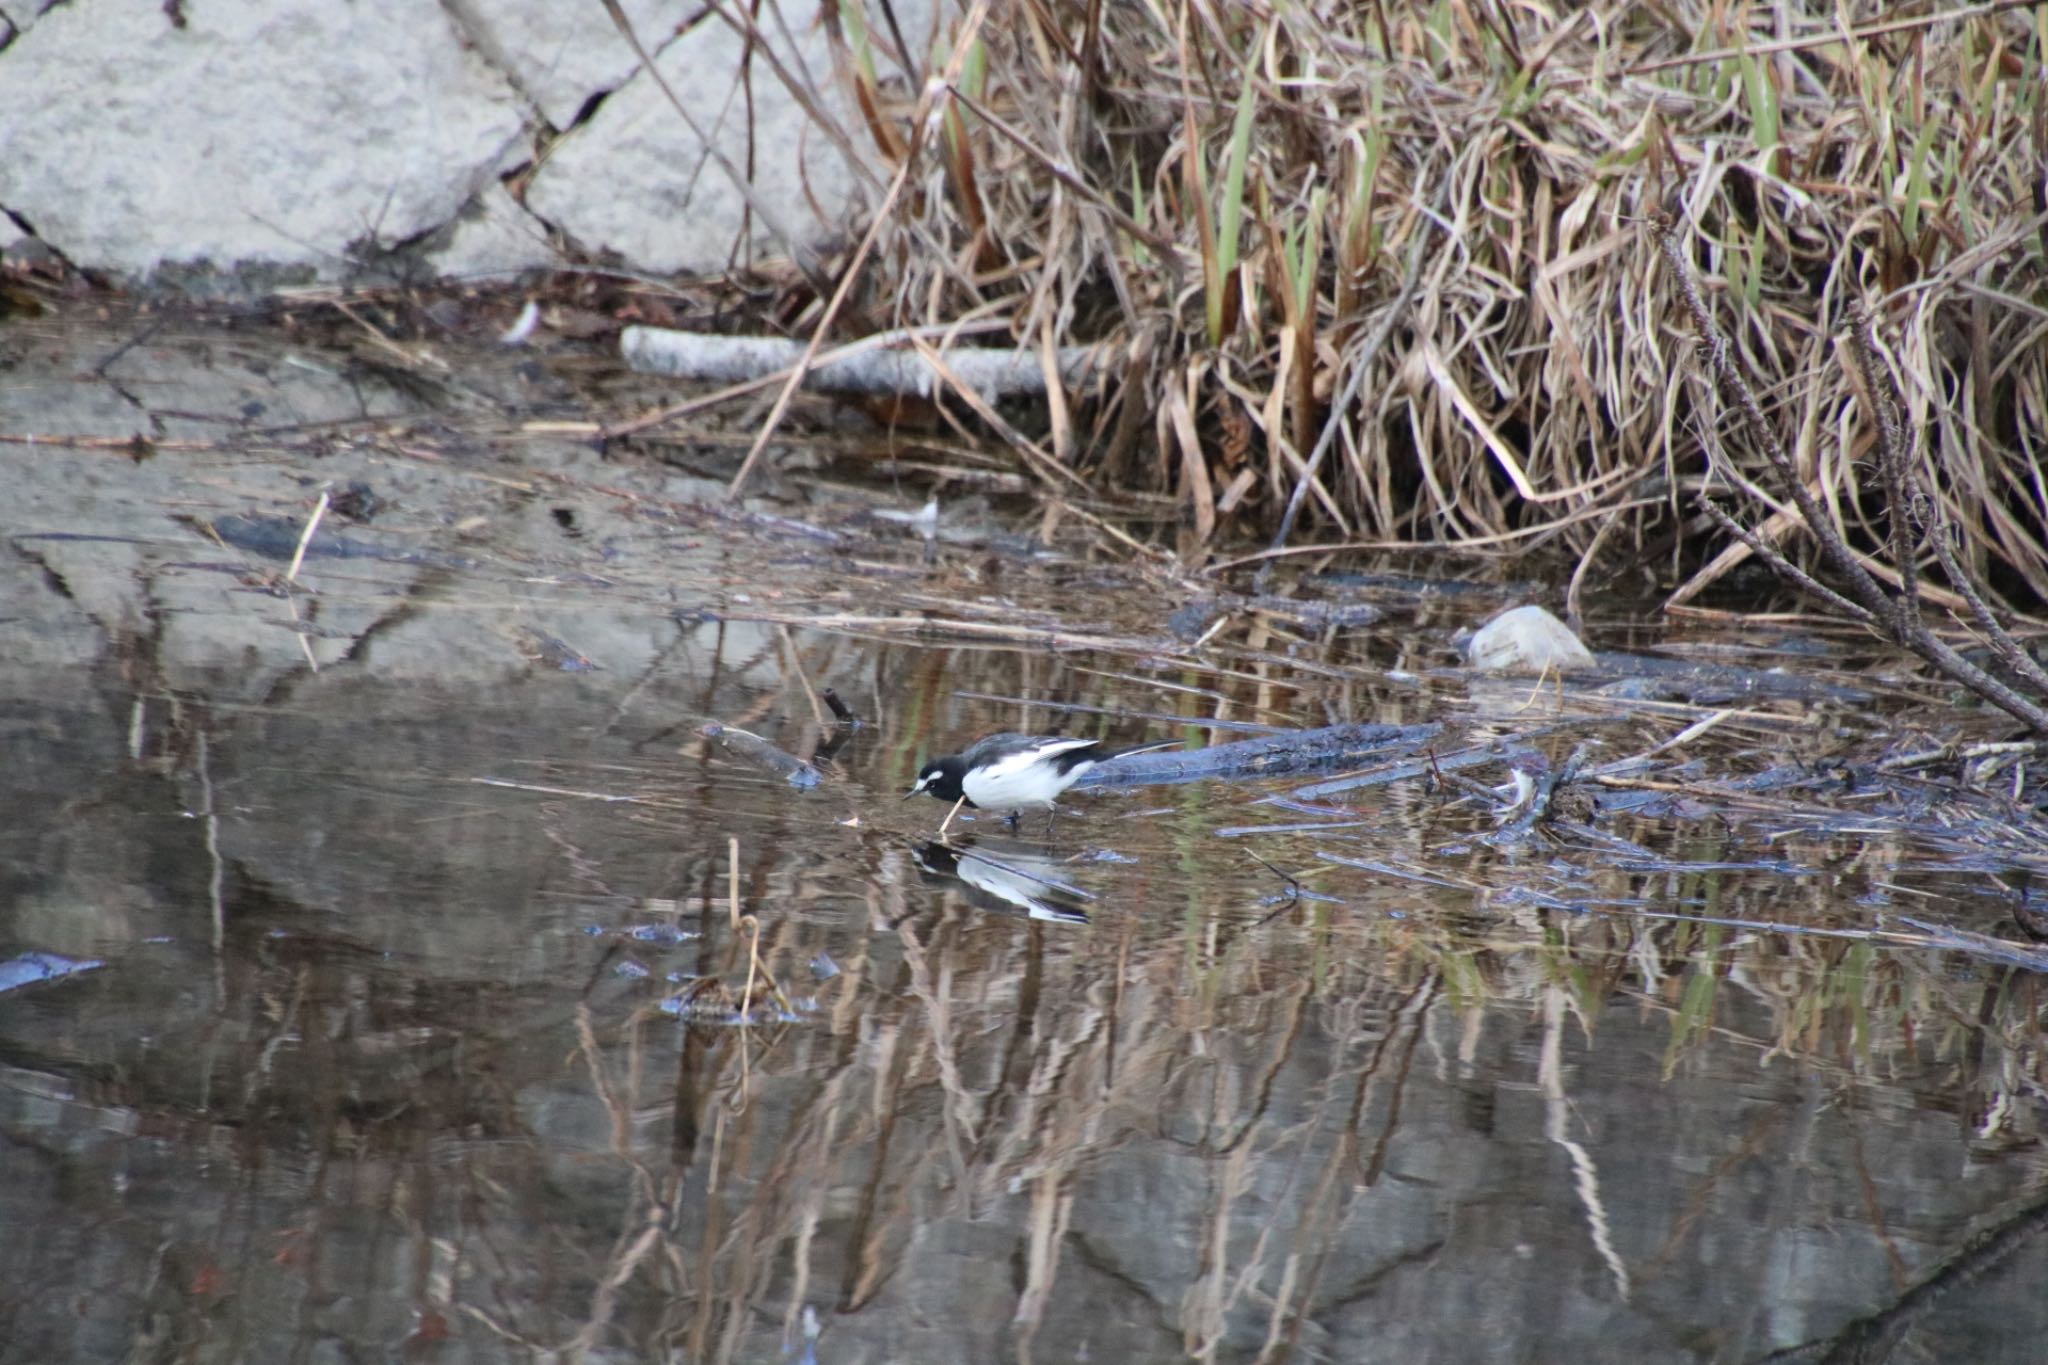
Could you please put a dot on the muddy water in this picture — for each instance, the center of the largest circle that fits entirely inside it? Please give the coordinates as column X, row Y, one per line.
column 395, row 972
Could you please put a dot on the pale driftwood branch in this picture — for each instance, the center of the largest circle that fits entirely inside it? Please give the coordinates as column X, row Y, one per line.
column 892, row 366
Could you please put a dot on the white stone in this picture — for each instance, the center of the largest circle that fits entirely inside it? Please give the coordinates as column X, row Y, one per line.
column 271, row 132
column 1526, row 639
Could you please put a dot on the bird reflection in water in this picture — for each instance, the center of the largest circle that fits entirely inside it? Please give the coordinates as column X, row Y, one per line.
column 1013, row 879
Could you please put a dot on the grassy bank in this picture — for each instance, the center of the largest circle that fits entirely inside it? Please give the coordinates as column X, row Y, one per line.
column 1433, row 222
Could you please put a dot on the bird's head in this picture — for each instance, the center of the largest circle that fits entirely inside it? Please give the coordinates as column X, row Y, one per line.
column 937, row 778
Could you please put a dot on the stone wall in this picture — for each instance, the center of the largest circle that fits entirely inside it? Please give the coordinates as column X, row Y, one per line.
column 252, row 143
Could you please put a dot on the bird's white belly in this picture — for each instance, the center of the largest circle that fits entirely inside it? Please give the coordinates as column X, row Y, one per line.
column 1019, row 785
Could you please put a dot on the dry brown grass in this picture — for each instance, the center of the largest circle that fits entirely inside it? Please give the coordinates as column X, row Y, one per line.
column 1533, row 391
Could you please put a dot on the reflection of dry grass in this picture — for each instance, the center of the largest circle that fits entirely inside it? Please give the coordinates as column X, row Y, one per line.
column 1189, row 1125
column 1192, row 1114
column 974, row 1073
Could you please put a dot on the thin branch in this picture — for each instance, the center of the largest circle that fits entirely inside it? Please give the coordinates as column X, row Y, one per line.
column 1897, row 616
column 1903, row 512
column 1909, row 498
column 1862, row 584
column 1784, row 567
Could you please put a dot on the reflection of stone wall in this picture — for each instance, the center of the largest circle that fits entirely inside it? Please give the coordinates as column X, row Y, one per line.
column 308, row 139
column 994, row 1139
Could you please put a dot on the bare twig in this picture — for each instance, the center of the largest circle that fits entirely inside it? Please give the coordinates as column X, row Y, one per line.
column 1720, row 360
column 1784, row 567
column 732, row 881
column 841, row 712
column 1897, row 615
column 836, row 298
column 1911, row 508
column 742, row 183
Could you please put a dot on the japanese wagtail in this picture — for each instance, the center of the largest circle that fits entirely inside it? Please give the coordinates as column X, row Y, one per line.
column 1012, row 772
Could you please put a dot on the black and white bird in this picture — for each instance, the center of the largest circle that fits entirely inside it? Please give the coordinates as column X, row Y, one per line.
column 1013, row 772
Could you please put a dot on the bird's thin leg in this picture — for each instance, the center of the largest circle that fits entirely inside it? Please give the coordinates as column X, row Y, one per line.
column 1051, row 813
column 949, row 817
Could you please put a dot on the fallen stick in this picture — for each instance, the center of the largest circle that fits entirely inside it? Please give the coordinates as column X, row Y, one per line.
column 758, row 751
column 890, row 366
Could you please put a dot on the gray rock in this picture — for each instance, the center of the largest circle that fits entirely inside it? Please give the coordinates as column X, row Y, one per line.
column 558, row 56
column 250, row 143
column 495, row 238
column 635, row 179
column 252, row 133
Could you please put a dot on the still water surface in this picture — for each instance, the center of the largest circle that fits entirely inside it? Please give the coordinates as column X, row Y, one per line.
column 417, row 1031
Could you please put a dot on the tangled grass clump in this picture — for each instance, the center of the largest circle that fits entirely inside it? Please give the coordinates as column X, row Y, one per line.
column 1232, row 196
